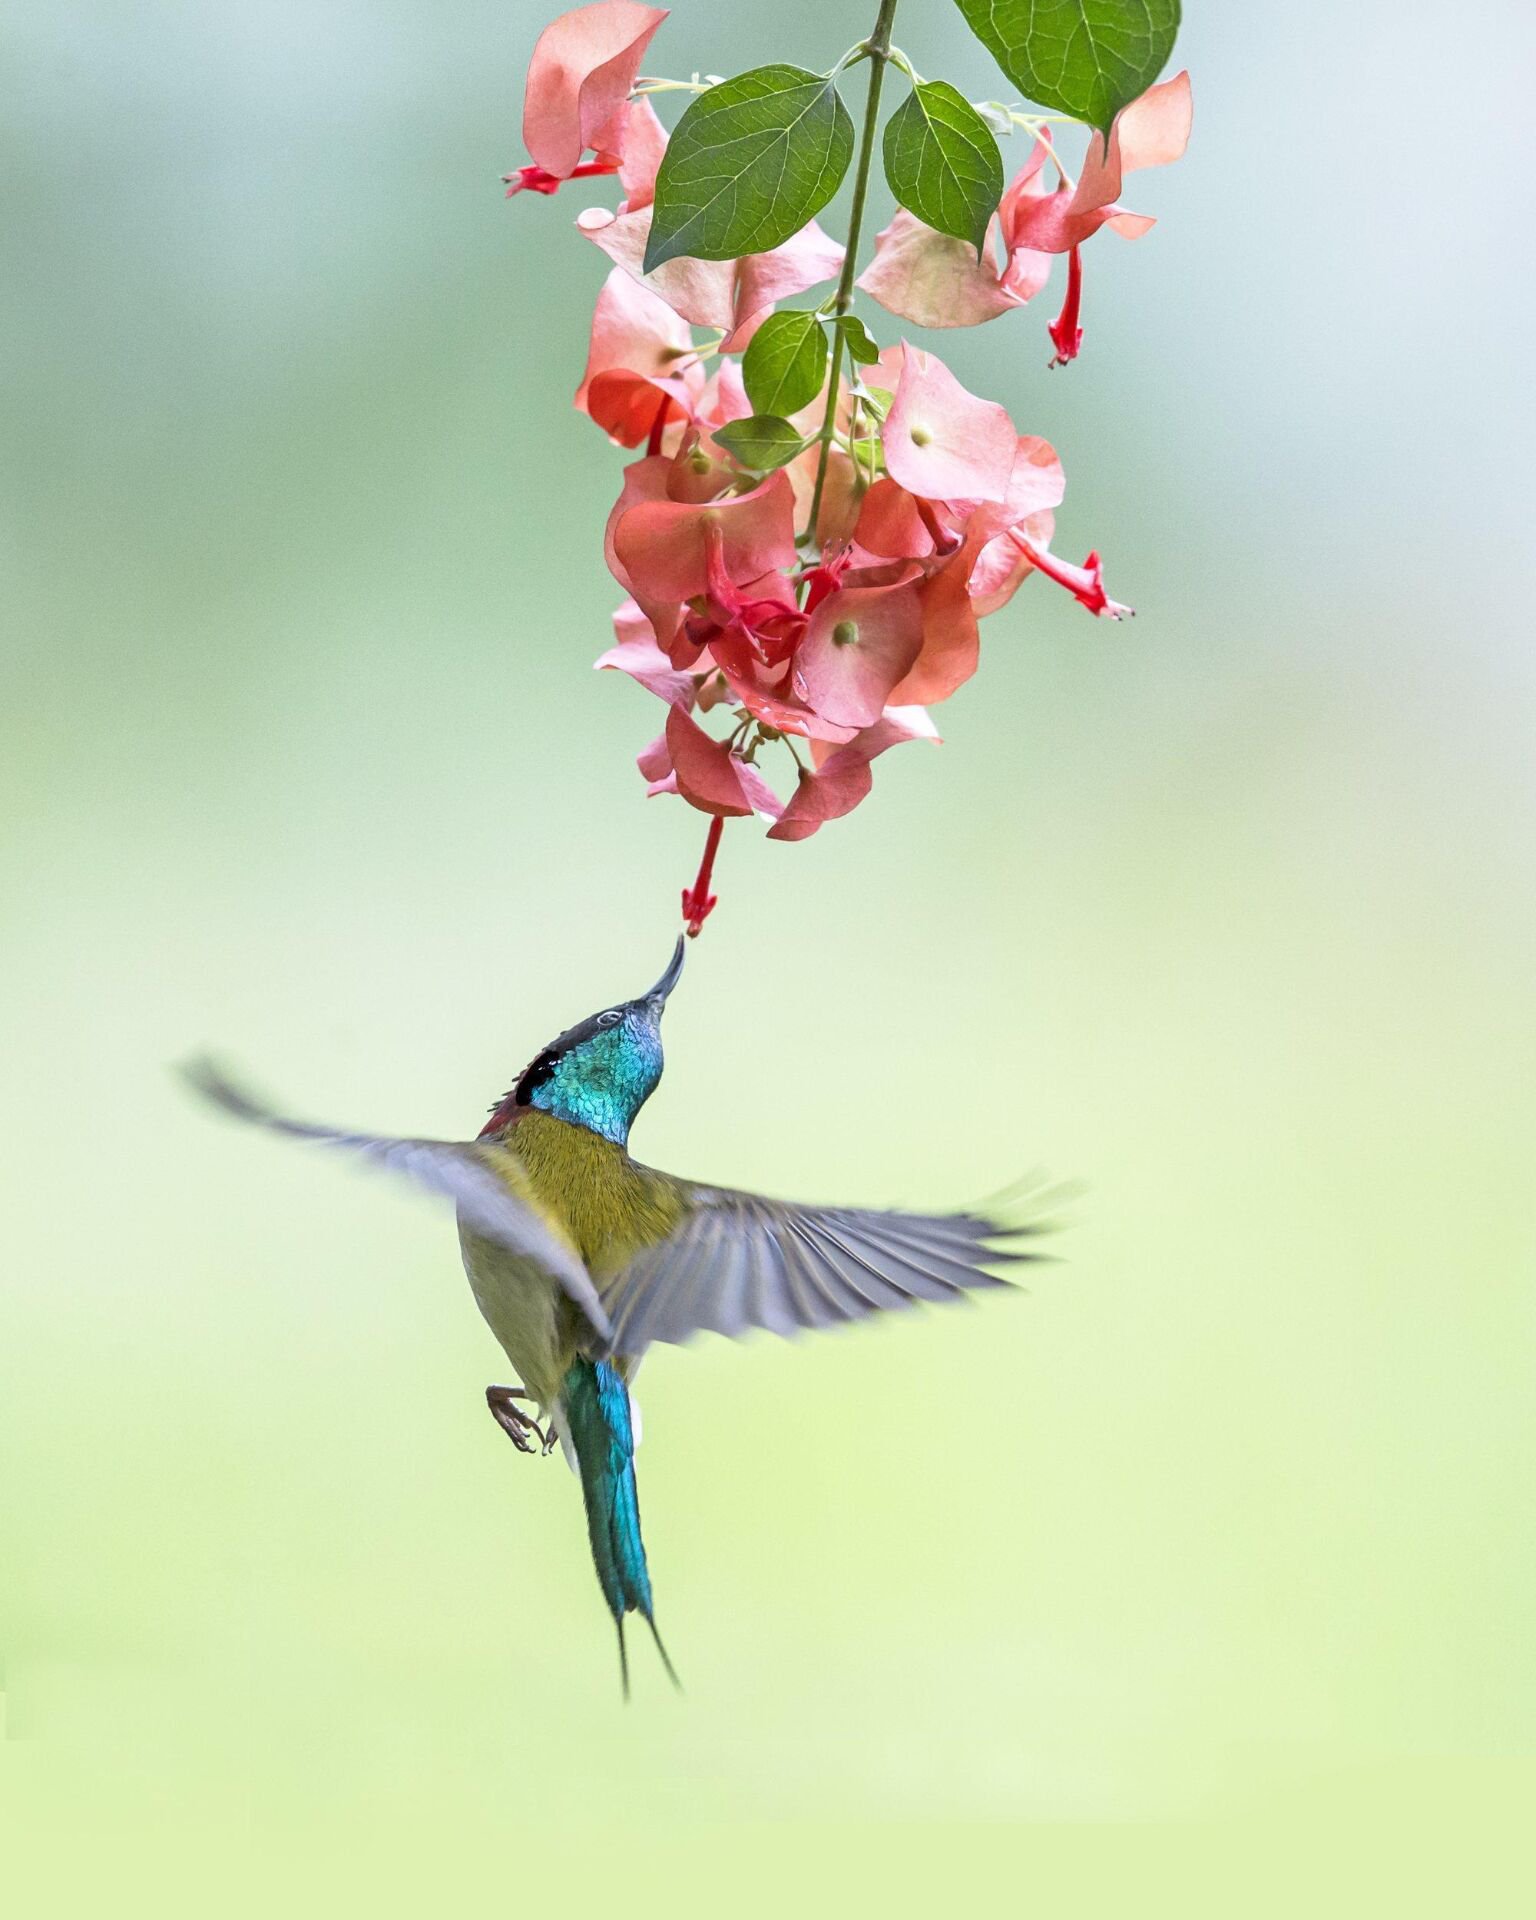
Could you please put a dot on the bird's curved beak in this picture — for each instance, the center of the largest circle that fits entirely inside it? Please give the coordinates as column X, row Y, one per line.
column 658, row 994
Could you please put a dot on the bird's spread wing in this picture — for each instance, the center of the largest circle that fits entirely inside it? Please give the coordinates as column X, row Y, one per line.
column 737, row 1261
column 483, row 1180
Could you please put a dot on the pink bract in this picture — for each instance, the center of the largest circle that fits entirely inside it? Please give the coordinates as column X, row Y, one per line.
column 860, row 643
column 637, row 654
column 664, row 547
column 632, row 376
column 579, row 80
column 733, row 295
column 1152, row 131
column 711, row 777
column 944, row 443
column 844, row 778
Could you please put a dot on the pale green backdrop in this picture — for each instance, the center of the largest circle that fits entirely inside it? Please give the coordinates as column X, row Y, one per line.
column 1202, row 1572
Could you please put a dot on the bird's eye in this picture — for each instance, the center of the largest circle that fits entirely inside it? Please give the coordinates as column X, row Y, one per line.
column 611, row 1018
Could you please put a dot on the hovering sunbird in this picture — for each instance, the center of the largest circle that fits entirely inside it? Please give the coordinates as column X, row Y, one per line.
column 580, row 1257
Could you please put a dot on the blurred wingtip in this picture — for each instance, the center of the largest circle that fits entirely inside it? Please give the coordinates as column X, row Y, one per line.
column 1026, row 1209
column 207, row 1076
column 1032, row 1190
column 203, row 1073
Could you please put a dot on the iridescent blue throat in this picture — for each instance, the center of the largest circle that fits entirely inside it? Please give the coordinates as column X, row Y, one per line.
column 602, row 1082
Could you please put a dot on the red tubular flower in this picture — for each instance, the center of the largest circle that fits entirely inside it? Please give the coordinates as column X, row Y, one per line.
column 1066, row 334
column 698, row 902
column 538, row 180
column 762, row 614
column 1084, row 583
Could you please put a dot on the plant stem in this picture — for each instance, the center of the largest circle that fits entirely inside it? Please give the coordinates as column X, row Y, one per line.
column 878, row 46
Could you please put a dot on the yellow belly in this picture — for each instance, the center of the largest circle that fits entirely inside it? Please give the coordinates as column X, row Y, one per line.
column 526, row 1311
column 608, row 1208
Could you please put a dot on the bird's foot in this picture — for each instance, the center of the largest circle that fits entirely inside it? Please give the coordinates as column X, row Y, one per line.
column 514, row 1423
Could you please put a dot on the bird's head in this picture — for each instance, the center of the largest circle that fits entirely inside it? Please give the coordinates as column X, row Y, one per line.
column 600, row 1073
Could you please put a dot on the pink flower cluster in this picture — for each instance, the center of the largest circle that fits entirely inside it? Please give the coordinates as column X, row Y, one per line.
column 931, row 510
column 845, row 647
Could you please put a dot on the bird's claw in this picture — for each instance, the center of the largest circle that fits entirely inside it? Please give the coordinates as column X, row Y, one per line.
column 514, row 1423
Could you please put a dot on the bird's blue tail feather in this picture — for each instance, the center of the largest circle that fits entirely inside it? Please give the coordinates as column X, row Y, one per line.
column 596, row 1405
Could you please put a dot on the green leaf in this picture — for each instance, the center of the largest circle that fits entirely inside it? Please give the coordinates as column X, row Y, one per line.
column 750, row 162
column 1083, row 57
column 942, row 162
column 761, row 443
column 785, row 362
column 856, row 339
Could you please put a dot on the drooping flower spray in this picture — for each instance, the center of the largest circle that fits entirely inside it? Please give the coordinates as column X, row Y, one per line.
column 819, row 520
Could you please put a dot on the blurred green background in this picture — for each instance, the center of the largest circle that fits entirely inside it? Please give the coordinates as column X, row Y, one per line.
column 1205, row 1570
